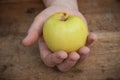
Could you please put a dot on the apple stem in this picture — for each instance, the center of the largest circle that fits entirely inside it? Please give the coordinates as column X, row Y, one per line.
column 65, row 14
column 64, row 17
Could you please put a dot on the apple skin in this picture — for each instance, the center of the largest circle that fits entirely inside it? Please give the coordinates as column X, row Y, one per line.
column 62, row 31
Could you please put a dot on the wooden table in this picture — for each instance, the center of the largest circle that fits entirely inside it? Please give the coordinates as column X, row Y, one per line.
column 23, row 63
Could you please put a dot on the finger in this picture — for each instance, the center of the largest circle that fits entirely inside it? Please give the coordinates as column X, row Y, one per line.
column 69, row 62
column 30, row 39
column 91, row 38
column 84, row 52
column 51, row 59
column 59, row 56
column 34, row 31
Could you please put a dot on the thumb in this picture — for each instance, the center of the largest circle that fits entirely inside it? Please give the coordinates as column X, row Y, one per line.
column 34, row 32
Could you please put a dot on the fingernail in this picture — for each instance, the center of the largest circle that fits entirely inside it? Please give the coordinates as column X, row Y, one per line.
column 74, row 56
column 62, row 55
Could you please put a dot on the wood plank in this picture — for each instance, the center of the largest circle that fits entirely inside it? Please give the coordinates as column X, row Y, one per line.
column 101, row 15
column 17, row 18
column 18, row 62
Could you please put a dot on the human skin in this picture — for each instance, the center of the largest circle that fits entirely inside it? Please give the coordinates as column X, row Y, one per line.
column 60, row 59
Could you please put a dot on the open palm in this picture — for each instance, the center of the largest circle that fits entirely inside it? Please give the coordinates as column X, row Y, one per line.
column 60, row 59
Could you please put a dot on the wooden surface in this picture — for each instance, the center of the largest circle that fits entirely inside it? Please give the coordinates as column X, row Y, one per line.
column 23, row 63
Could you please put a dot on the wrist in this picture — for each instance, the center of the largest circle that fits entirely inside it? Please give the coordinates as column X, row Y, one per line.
column 70, row 4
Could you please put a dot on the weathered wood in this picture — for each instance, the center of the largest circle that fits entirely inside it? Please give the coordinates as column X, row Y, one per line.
column 23, row 63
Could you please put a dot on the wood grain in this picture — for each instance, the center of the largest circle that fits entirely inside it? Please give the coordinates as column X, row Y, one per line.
column 23, row 63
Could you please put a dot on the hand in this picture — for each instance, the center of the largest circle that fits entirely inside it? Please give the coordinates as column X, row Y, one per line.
column 60, row 59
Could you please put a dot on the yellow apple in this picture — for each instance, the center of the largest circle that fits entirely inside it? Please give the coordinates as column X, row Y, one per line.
column 62, row 31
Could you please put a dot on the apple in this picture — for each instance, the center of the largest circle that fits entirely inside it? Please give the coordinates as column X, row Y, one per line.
column 62, row 31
